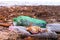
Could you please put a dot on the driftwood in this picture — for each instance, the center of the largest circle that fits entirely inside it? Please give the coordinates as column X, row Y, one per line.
column 5, row 24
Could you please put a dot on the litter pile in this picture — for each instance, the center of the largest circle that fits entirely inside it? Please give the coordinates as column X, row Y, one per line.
column 23, row 27
column 16, row 25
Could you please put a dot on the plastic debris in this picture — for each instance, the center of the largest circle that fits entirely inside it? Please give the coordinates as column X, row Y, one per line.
column 26, row 20
column 54, row 27
column 19, row 29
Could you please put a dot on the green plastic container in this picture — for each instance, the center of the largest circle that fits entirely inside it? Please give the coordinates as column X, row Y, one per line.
column 26, row 20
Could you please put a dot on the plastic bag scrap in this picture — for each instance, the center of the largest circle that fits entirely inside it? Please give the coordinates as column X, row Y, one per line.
column 24, row 32
column 54, row 27
column 45, row 35
column 19, row 29
column 26, row 21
